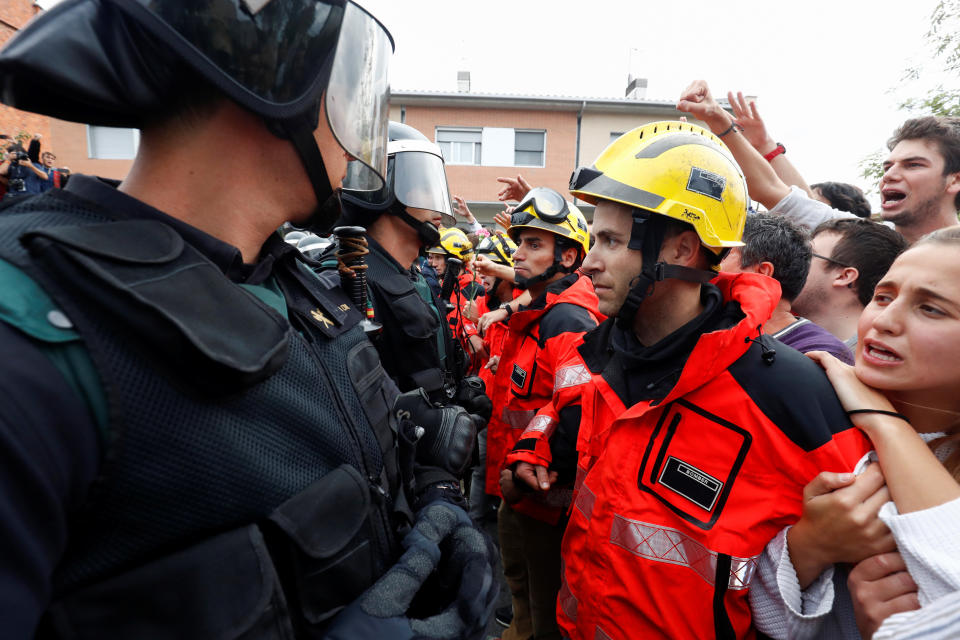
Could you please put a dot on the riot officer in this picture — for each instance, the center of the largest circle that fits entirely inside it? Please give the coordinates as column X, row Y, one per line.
column 197, row 438
column 402, row 219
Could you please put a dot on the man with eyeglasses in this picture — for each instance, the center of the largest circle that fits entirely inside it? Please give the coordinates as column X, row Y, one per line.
column 850, row 255
column 775, row 247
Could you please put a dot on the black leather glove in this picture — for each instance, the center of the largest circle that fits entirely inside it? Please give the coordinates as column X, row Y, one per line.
column 449, row 433
column 471, row 395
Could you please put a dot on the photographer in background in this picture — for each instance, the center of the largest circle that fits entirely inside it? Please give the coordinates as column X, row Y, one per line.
column 56, row 177
column 18, row 169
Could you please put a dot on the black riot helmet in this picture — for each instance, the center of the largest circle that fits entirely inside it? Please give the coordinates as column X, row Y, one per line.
column 415, row 179
column 118, row 62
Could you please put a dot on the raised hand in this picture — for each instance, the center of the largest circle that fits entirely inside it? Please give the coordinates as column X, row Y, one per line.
column 697, row 100
column 503, row 218
column 752, row 127
column 461, row 209
column 515, row 188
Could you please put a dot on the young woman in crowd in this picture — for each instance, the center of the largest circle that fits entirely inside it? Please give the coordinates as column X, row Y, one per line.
column 904, row 393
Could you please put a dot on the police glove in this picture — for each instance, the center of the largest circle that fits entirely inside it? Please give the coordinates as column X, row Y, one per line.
column 443, row 541
column 471, row 395
column 448, row 432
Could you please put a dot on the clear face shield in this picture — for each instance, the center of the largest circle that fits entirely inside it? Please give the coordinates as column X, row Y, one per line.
column 358, row 98
column 277, row 58
column 420, row 182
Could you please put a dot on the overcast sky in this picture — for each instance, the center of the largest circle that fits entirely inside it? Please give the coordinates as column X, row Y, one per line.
column 827, row 73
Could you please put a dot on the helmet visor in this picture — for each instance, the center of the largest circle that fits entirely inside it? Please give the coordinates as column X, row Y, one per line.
column 421, row 183
column 275, row 59
column 547, row 203
column 358, row 97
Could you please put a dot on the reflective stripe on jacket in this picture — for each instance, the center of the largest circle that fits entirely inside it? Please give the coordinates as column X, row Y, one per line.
column 676, row 498
column 525, row 377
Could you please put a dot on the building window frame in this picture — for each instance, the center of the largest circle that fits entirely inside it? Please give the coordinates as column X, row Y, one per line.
column 463, row 151
column 115, row 149
column 542, row 151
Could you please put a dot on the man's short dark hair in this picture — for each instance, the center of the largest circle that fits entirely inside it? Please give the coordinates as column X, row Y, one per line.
column 844, row 197
column 869, row 247
column 944, row 131
column 786, row 246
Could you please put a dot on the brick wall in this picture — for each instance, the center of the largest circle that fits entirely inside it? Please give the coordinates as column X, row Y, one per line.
column 13, row 15
column 478, row 183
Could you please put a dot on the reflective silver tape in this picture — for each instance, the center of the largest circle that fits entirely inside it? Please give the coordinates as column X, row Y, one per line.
column 540, row 424
column 585, row 501
column 568, row 602
column 663, row 544
column 570, row 377
column 517, row 418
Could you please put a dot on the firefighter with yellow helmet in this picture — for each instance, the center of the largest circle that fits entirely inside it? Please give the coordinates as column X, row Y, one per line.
column 552, row 240
column 689, row 460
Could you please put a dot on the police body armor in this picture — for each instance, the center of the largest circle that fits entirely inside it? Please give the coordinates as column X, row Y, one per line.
column 249, row 481
column 408, row 344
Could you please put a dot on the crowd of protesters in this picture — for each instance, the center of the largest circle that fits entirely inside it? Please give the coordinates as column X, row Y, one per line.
column 869, row 549
column 682, row 417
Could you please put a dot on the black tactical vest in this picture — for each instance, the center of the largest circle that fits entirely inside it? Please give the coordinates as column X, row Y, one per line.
column 408, row 343
column 243, row 488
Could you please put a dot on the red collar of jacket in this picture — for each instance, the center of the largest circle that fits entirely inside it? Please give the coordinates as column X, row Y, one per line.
column 715, row 351
column 571, row 289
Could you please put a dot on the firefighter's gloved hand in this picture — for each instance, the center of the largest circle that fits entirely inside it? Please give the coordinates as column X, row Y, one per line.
column 444, row 543
column 448, row 435
column 471, row 395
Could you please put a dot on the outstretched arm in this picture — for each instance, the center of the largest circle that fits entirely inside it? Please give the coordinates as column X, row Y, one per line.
column 461, row 209
column 764, row 184
column 748, row 117
column 514, row 189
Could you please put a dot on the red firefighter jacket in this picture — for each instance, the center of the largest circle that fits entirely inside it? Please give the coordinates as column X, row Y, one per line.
column 468, row 289
column 678, row 494
column 525, row 377
column 493, row 340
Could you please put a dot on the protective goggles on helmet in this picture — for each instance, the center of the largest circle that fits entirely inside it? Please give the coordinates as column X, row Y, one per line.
column 547, row 204
column 419, row 179
column 275, row 59
column 498, row 248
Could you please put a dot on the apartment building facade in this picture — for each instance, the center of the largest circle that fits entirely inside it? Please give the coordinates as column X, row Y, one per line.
column 542, row 138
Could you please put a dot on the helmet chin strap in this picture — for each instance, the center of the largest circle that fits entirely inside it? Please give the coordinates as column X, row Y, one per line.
column 428, row 234
column 555, row 268
column 300, row 133
column 647, row 236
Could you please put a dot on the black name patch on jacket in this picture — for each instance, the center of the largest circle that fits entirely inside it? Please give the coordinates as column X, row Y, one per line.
column 693, row 484
column 519, row 376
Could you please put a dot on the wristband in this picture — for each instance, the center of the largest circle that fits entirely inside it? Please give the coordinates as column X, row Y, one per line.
column 508, row 309
column 882, row 412
column 733, row 127
column 776, row 151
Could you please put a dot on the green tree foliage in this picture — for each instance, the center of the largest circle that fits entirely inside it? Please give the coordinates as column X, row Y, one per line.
column 944, row 38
